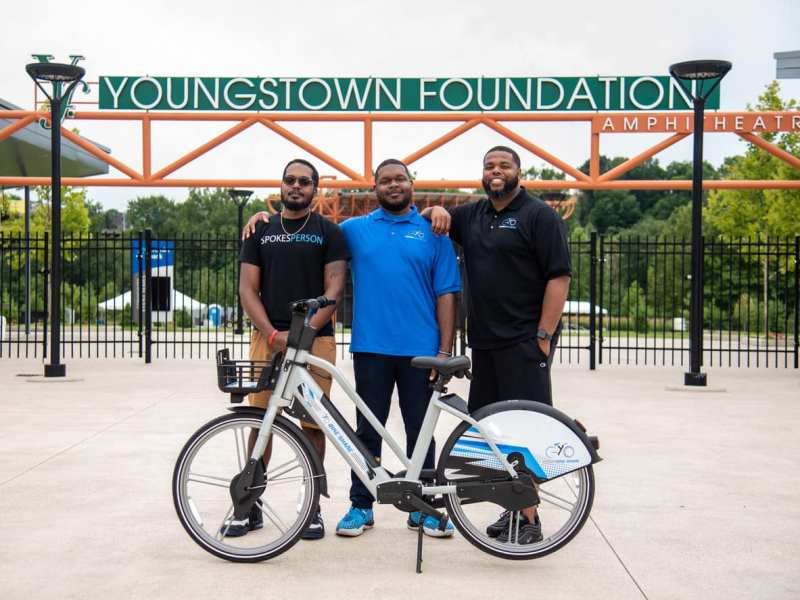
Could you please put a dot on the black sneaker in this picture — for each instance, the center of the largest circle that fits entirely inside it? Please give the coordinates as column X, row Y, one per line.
column 254, row 520
column 529, row 533
column 500, row 525
column 315, row 529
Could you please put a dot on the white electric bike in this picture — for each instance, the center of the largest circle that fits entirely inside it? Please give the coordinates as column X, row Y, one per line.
column 513, row 454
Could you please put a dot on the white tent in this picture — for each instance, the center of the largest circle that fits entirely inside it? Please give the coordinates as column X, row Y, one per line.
column 118, row 303
column 180, row 301
column 582, row 307
column 183, row 302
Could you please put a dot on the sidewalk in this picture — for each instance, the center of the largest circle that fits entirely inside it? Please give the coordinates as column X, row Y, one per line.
column 698, row 495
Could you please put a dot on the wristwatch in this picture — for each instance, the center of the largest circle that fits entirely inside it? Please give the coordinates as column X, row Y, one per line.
column 543, row 335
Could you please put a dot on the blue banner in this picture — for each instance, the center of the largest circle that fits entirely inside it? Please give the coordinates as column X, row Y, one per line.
column 162, row 254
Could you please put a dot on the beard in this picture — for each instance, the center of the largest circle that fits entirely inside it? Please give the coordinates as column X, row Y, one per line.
column 295, row 204
column 387, row 204
column 508, row 187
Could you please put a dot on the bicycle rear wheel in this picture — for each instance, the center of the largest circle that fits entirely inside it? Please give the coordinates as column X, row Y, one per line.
column 201, row 487
column 565, row 500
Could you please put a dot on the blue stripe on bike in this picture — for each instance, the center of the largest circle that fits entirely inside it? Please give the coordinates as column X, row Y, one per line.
column 506, row 449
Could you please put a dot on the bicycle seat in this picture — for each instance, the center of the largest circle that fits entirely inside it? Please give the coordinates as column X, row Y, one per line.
column 456, row 365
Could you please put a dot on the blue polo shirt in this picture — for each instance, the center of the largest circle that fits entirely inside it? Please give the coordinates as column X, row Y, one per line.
column 399, row 268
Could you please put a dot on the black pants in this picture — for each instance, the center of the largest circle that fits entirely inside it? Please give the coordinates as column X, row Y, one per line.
column 518, row 372
column 376, row 376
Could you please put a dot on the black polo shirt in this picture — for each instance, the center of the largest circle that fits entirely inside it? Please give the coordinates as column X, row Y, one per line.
column 510, row 256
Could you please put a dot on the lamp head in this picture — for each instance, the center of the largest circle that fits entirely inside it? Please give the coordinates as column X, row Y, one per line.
column 700, row 69
column 55, row 72
column 240, row 196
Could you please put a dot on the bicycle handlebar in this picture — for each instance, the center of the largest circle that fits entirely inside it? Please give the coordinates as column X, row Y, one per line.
column 311, row 304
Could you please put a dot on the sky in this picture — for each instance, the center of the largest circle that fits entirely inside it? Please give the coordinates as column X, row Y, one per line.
column 432, row 38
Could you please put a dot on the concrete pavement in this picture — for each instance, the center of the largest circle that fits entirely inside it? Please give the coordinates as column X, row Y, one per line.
column 697, row 496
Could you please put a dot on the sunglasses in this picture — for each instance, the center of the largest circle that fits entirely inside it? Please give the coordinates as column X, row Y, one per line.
column 303, row 181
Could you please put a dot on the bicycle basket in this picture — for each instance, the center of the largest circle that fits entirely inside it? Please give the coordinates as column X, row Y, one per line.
column 241, row 377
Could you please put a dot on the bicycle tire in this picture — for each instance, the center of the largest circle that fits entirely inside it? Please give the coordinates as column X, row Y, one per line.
column 189, row 515
column 475, row 532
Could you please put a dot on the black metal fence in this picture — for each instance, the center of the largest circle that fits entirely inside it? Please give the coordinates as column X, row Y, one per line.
column 629, row 300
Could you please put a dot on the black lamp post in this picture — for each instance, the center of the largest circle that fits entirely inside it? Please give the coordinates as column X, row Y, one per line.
column 707, row 74
column 60, row 76
column 241, row 198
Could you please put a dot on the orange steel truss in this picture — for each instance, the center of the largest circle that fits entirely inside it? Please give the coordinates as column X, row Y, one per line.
column 678, row 125
column 339, row 205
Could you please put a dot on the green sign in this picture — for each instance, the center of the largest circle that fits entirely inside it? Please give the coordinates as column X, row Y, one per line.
column 358, row 94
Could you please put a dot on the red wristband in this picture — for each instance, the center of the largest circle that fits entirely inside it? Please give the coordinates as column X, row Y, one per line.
column 271, row 337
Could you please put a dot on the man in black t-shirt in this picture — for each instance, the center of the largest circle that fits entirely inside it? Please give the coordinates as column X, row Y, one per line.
column 297, row 254
column 518, row 276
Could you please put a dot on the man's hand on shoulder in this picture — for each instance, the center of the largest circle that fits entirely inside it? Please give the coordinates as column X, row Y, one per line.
column 252, row 222
column 439, row 218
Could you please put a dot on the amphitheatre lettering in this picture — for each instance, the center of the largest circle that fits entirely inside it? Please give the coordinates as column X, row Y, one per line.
column 374, row 94
column 732, row 122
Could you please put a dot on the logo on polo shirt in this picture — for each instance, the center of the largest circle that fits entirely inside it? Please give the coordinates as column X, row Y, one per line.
column 415, row 235
column 508, row 223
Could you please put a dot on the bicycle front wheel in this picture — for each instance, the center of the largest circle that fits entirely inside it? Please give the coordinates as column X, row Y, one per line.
column 565, row 500
column 201, row 488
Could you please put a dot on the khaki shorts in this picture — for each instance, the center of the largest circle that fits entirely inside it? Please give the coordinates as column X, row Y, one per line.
column 323, row 347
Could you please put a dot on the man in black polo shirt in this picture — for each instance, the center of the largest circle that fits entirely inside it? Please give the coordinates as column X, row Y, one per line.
column 518, row 275
column 296, row 254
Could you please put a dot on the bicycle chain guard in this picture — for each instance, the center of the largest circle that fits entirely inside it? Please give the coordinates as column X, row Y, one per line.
column 247, row 487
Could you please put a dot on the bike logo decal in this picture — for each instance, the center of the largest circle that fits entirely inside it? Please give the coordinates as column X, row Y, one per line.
column 560, row 450
column 508, row 223
column 415, row 235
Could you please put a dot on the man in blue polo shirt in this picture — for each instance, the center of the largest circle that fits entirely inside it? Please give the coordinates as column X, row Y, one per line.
column 404, row 283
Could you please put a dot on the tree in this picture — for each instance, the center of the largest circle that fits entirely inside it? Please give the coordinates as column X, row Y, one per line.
column 636, row 307
column 96, row 216
column 157, row 213
column 74, row 214
column 759, row 213
column 208, row 212
column 614, row 210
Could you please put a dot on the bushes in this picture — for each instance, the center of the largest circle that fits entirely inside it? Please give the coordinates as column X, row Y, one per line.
column 182, row 319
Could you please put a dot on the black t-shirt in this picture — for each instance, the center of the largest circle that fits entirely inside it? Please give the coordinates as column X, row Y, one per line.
column 510, row 256
column 293, row 264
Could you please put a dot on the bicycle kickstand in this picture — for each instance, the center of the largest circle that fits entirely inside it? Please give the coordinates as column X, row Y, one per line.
column 419, row 547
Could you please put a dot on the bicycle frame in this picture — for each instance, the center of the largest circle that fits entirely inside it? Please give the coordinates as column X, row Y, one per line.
column 295, row 384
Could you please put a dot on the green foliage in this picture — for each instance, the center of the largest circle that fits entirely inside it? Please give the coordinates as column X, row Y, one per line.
column 655, row 204
column 613, row 211
column 157, row 213
column 636, row 307
column 759, row 213
column 182, row 319
column 204, row 213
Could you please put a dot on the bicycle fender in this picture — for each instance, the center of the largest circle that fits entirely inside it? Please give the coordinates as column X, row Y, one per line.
column 550, row 443
column 316, row 461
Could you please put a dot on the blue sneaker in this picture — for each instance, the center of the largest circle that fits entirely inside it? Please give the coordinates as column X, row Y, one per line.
column 430, row 526
column 355, row 522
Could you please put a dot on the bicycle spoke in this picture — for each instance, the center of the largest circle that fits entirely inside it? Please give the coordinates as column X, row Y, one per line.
column 221, row 533
column 287, row 467
column 272, row 516
column 280, row 480
column 212, row 480
column 554, row 499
